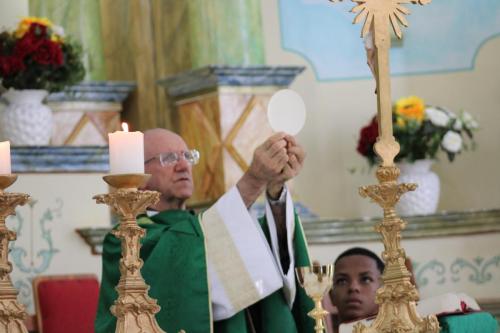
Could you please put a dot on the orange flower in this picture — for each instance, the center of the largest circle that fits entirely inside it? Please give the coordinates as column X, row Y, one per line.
column 26, row 22
column 411, row 108
column 400, row 122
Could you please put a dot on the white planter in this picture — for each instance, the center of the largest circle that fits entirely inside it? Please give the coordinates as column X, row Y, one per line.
column 26, row 121
column 424, row 200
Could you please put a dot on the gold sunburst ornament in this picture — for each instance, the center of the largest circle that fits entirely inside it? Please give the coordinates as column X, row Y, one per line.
column 368, row 9
column 397, row 297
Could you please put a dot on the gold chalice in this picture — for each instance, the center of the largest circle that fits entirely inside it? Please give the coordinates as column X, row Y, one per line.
column 316, row 280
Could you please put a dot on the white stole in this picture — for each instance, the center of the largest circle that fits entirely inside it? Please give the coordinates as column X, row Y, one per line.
column 241, row 268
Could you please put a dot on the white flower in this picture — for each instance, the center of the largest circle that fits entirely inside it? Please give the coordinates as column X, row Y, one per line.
column 58, row 30
column 450, row 113
column 469, row 121
column 437, row 117
column 458, row 125
column 452, row 142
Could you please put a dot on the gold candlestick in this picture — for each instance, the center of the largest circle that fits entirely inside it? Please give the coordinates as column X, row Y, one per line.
column 134, row 309
column 397, row 297
column 316, row 280
column 12, row 313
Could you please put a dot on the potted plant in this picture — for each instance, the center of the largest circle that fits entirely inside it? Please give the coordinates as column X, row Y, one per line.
column 35, row 59
column 422, row 132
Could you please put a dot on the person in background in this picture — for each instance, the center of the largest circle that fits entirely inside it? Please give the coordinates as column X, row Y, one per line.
column 357, row 276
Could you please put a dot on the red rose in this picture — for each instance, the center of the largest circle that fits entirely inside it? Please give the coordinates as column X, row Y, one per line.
column 10, row 65
column 58, row 57
column 37, row 30
column 4, row 67
column 48, row 53
column 368, row 137
column 27, row 45
column 16, row 64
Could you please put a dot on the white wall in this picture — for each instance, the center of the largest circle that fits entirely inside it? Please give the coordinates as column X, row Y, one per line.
column 337, row 110
column 11, row 12
column 47, row 242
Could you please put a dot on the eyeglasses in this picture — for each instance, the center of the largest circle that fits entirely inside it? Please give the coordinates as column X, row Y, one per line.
column 170, row 158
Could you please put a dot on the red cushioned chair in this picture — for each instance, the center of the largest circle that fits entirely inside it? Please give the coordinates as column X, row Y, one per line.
column 66, row 303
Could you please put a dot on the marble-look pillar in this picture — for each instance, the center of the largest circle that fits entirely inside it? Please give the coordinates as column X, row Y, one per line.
column 221, row 111
column 85, row 113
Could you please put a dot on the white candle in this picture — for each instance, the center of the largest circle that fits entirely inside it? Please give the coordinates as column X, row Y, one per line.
column 126, row 151
column 5, row 158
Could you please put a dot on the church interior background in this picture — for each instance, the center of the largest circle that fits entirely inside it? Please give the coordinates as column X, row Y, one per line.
column 207, row 69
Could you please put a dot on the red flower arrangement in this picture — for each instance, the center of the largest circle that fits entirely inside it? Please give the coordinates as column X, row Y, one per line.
column 367, row 138
column 35, row 57
column 422, row 131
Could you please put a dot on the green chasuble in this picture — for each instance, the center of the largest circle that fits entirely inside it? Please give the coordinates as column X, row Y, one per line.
column 175, row 268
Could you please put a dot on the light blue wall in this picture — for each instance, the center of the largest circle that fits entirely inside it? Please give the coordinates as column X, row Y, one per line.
column 323, row 33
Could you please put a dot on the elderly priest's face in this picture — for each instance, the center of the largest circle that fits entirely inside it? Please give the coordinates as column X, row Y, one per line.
column 171, row 177
column 355, row 282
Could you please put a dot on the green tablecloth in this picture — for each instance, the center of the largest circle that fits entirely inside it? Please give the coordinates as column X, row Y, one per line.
column 477, row 322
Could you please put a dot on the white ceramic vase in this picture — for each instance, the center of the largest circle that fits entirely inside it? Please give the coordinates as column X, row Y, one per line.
column 26, row 121
column 424, row 200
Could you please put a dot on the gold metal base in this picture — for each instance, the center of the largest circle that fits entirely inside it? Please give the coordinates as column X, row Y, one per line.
column 127, row 180
column 12, row 313
column 316, row 280
column 398, row 296
column 6, row 181
column 134, row 309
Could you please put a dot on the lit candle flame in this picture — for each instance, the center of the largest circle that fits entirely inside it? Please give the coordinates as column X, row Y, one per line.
column 125, row 127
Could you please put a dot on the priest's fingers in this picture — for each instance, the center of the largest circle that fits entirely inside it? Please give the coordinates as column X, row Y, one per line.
column 270, row 147
column 294, row 164
column 287, row 173
column 291, row 140
column 272, row 139
column 277, row 148
column 266, row 167
column 299, row 152
column 279, row 161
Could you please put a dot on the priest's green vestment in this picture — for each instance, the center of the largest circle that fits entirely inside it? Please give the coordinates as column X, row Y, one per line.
column 175, row 267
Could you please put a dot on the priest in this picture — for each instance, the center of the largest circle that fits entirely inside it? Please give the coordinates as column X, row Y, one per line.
column 220, row 271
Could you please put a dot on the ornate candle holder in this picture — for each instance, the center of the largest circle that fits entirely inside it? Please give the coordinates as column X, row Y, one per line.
column 12, row 313
column 134, row 309
column 398, row 296
column 316, row 280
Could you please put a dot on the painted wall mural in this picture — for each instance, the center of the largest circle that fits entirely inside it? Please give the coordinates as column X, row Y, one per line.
column 33, row 251
column 478, row 271
column 445, row 36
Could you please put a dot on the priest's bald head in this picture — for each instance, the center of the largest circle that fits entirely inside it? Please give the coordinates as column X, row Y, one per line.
column 169, row 162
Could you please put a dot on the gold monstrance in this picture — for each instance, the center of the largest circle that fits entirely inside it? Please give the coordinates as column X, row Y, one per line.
column 397, row 296
column 12, row 313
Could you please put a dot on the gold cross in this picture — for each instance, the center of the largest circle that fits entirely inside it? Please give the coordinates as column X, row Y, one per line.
column 377, row 15
column 397, row 296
